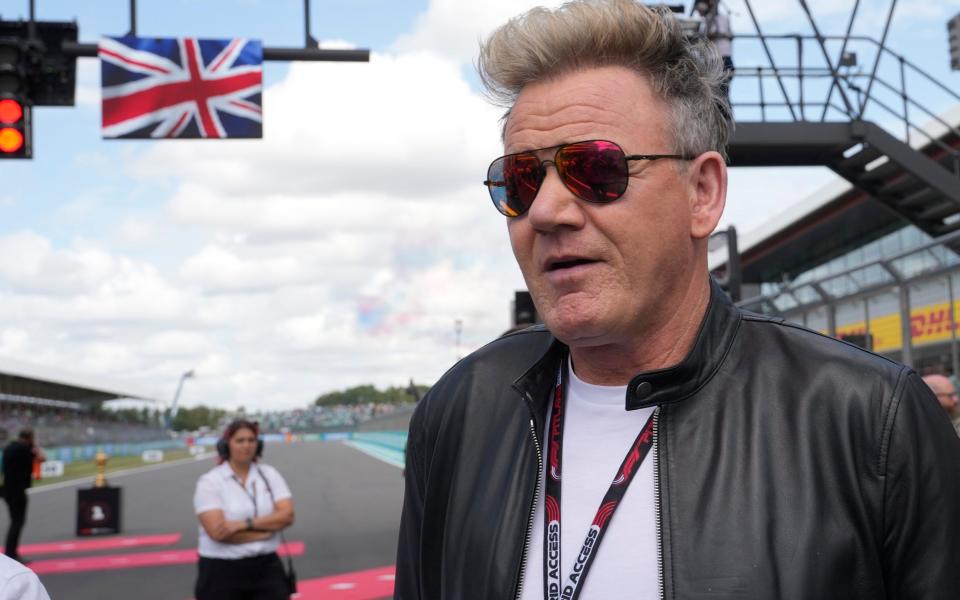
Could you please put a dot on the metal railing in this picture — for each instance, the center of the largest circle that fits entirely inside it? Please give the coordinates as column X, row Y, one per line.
column 766, row 302
column 807, row 87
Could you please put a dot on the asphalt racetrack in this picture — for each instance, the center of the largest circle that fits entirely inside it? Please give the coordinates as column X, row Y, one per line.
column 347, row 504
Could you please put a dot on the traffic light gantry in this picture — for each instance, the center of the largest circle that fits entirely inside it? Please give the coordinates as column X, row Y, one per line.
column 14, row 113
column 38, row 68
column 15, row 131
column 34, row 71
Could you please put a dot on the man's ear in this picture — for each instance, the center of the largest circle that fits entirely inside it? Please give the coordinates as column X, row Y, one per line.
column 708, row 183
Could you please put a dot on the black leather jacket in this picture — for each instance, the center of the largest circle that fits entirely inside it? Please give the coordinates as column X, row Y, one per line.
column 790, row 465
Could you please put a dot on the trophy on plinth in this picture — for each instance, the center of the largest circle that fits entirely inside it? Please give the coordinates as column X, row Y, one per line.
column 98, row 507
column 101, row 460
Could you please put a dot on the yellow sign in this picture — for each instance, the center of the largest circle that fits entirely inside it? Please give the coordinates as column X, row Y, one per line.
column 928, row 325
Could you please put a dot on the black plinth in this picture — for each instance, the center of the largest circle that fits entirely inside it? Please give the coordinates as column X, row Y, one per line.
column 98, row 511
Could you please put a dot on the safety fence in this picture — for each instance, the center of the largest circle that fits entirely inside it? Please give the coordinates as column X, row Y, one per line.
column 395, row 441
column 87, row 452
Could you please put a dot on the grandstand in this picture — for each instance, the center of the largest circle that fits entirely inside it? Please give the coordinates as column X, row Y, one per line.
column 60, row 406
column 342, row 417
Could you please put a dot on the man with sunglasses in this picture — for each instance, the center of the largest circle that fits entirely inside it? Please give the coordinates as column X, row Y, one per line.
column 652, row 440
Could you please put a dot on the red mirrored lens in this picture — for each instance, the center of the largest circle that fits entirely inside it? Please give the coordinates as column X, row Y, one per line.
column 522, row 176
column 595, row 171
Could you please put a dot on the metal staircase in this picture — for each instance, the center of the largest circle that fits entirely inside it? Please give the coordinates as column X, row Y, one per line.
column 915, row 183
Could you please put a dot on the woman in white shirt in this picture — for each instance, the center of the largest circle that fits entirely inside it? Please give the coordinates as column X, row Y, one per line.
column 242, row 507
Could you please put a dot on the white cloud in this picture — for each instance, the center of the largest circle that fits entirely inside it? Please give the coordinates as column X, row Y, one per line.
column 755, row 194
column 405, row 125
column 14, row 341
column 174, row 342
column 137, row 230
column 29, row 261
column 216, row 267
column 338, row 250
column 455, row 28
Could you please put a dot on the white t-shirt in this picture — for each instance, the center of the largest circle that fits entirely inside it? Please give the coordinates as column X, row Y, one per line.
column 17, row 582
column 597, row 433
column 219, row 488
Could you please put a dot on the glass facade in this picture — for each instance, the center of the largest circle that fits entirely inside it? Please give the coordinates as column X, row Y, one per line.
column 892, row 244
column 925, row 312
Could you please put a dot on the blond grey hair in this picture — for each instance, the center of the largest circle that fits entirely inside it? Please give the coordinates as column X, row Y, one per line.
column 544, row 44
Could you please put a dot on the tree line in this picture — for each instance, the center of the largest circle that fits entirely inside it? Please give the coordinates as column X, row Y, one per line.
column 365, row 394
column 187, row 418
column 193, row 418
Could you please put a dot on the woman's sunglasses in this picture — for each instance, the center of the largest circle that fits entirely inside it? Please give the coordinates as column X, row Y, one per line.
column 595, row 171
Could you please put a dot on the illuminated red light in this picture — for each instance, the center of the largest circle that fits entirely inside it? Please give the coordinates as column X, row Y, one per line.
column 11, row 140
column 10, row 111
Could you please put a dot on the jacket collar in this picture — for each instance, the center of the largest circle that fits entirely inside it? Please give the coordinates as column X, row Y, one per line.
column 535, row 384
column 650, row 388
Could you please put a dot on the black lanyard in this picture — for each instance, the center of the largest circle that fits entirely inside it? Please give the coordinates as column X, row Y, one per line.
column 253, row 496
column 569, row 589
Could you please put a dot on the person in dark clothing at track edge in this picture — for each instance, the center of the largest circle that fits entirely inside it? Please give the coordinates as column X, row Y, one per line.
column 18, row 458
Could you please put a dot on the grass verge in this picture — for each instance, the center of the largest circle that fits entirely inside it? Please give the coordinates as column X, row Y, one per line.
column 78, row 470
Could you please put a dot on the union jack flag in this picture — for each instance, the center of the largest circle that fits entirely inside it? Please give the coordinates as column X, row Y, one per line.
column 181, row 88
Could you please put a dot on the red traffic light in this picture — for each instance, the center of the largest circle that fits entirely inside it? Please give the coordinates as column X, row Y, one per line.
column 11, row 111
column 11, row 140
column 15, row 138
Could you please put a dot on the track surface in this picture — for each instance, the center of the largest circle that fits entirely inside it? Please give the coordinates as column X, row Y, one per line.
column 347, row 516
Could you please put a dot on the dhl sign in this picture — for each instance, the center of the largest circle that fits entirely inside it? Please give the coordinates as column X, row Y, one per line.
column 928, row 325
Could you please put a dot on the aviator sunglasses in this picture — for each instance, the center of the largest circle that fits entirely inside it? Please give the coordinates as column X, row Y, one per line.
column 595, row 171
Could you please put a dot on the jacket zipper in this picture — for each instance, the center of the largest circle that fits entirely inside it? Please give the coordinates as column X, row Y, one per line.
column 656, row 506
column 533, row 507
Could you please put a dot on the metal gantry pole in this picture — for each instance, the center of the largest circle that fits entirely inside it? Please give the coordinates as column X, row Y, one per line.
column 803, row 112
column 866, row 323
column 308, row 40
column 906, row 330
column 310, row 52
column 279, row 54
column 876, row 62
column 32, row 24
column 843, row 49
column 830, row 306
column 773, row 64
column 763, row 104
column 826, row 57
column 176, row 395
column 133, row 18
column 954, row 354
column 906, row 102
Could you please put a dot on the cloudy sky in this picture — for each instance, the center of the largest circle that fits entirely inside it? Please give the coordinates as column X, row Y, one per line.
column 342, row 248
